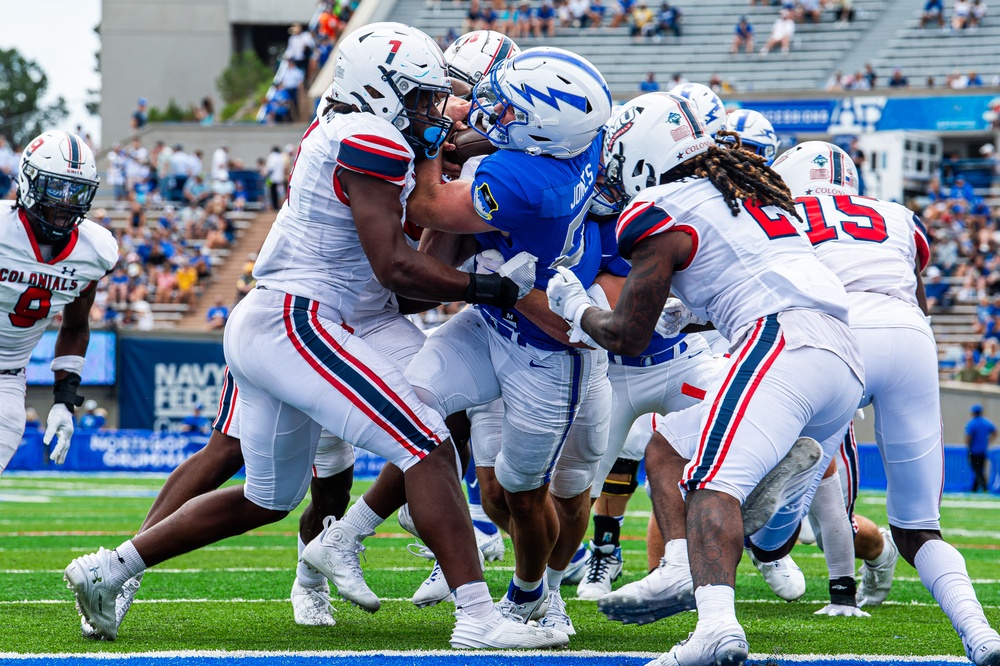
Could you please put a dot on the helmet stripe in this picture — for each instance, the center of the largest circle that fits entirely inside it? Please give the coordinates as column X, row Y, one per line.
column 838, row 168
column 74, row 152
column 692, row 118
column 579, row 62
column 741, row 121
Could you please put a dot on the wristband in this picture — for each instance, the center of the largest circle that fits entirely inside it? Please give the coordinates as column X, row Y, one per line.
column 491, row 289
column 578, row 315
column 68, row 363
column 843, row 591
column 64, row 391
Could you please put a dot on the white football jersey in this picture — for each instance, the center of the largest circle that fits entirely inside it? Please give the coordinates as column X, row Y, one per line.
column 32, row 290
column 313, row 248
column 873, row 247
column 741, row 268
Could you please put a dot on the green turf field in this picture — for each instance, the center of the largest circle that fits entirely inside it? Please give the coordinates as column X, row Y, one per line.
column 234, row 595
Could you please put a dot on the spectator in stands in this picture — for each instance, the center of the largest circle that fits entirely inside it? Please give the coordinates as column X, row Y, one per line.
column 969, row 370
column 165, row 282
column 960, row 13
column 594, row 17
column 979, row 433
column 473, row 17
column 196, row 192
column 275, row 167
column 187, row 282
column 961, row 189
column 328, row 24
column 978, row 14
column 782, row 33
column 31, row 421
column 936, row 288
column 90, row 420
column 898, row 80
column 870, row 76
column 845, row 13
column 278, row 109
column 8, row 168
column 677, row 79
column 649, row 84
column 520, row 23
column 668, row 18
column 196, row 423
column 300, row 46
column 245, row 283
column 742, row 36
column 502, row 15
column 643, row 21
column 809, row 9
column 139, row 116
column 563, row 13
column 217, row 314
column 141, row 315
column 205, row 113
column 718, row 85
column 578, row 12
column 621, row 9
column 291, row 81
column 973, row 80
column 933, row 11
column 544, row 20
column 220, row 163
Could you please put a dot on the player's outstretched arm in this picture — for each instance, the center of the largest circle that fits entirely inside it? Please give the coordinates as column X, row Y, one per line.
column 628, row 328
column 443, row 206
column 378, row 216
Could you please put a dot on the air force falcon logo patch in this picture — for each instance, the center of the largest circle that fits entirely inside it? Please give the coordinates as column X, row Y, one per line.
column 484, row 203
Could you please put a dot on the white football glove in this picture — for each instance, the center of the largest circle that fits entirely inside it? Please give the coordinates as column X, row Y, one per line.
column 520, row 269
column 60, row 426
column 840, row 610
column 567, row 297
column 674, row 317
column 487, row 261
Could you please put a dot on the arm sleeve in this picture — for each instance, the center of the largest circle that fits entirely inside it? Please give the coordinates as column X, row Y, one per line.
column 922, row 242
column 640, row 220
column 375, row 156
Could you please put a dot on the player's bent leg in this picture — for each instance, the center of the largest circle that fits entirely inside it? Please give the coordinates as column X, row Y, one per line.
column 12, row 416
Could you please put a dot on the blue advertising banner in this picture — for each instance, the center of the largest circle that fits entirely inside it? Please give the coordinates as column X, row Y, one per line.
column 966, row 112
column 98, row 368
column 163, row 380
column 111, row 451
column 796, row 116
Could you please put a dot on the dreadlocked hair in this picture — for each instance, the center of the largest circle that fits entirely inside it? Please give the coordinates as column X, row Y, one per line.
column 334, row 106
column 738, row 174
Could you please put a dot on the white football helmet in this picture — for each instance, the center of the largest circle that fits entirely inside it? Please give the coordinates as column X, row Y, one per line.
column 709, row 105
column 817, row 167
column 398, row 73
column 557, row 100
column 756, row 133
column 56, row 183
column 474, row 54
column 651, row 135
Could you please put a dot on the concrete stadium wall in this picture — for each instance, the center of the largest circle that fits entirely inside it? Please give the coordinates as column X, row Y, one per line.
column 264, row 12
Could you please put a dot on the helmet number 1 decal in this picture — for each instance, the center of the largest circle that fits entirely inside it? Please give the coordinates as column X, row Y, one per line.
column 33, row 306
column 392, row 54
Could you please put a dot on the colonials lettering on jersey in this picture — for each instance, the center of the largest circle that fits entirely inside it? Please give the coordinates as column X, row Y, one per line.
column 50, row 282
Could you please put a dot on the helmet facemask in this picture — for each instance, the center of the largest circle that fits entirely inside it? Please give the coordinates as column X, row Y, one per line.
column 421, row 119
column 56, row 203
column 491, row 104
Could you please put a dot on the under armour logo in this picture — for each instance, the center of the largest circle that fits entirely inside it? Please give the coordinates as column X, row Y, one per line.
column 66, row 270
column 97, row 577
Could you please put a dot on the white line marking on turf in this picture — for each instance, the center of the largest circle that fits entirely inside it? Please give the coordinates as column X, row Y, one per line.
column 520, row 655
column 945, row 503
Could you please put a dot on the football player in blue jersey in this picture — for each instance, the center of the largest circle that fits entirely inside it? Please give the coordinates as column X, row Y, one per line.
column 544, row 109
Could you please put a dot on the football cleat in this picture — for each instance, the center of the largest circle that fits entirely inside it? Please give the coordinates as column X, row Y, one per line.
column 529, row 610
column 503, row 632
column 783, row 576
column 986, row 652
column 667, row 590
column 723, row 645
column 88, row 577
column 491, row 545
column 876, row 580
column 435, row 588
column 556, row 616
column 122, row 603
column 335, row 553
column 806, row 534
column 406, row 520
column 604, row 568
column 311, row 605
column 577, row 568
column 796, row 467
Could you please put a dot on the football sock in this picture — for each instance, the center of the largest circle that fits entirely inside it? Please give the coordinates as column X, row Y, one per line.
column 942, row 571
column 125, row 563
column 475, row 600
column 881, row 559
column 305, row 574
column 522, row 591
column 553, row 577
column 838, row 536
column 362, row 518
column 607, row 530
column 675, row 551
column 716, row 603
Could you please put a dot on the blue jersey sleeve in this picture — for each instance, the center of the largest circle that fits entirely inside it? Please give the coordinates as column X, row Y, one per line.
column 501, row 197
column 611, row 261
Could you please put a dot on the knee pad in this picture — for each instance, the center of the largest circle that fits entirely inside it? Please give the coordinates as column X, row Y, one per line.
column 333, row 456
column 571, row 478
column 619, row 488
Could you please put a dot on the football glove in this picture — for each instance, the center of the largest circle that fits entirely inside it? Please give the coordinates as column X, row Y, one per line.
column 841, row 610
column 674, row 317
column 59, row 426
column 567, row 297
column 521, row 269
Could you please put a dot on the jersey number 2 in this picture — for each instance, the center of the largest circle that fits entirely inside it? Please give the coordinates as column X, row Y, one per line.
column 33, row 306
column 778, row 226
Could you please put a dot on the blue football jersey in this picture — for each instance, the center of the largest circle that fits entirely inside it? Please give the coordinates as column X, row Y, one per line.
column 539, row 205
column 613, row 263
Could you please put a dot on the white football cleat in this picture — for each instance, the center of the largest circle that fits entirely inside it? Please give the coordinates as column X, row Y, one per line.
column 806, row 534
column 783, row 576
column 311, row 605
column 122, row 603
column 986, row 650
column 556, row 616
column 876, row 580
column 577, row 568
column 88, row 578
column 529, row 610
column 604, row 568
column 770, row 493
column 491, row 545
column 723, row 645
column 406, row 520
column 435, row 588
column 500, row 631
column 334, row 553
column 667, row 590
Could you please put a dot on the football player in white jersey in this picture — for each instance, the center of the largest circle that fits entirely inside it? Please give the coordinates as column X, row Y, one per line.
column 712, row 224
column 878, row 250
column 51, row 258
column 299, row 368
